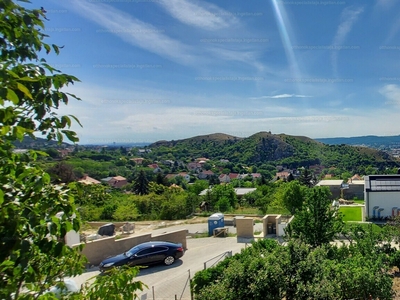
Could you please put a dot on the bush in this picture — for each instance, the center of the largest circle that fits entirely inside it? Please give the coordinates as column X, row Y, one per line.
column 90, row 213
column 126, row 212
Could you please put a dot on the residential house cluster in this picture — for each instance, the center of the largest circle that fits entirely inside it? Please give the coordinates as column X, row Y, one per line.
column 284, row 173
column 226, row 178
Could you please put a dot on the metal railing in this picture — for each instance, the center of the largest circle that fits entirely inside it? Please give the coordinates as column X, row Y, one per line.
column 220, row 257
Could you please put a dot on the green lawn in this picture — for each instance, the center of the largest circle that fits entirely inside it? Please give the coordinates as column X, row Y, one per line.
column 247, row 211
column 375, row 228
column 351, row 213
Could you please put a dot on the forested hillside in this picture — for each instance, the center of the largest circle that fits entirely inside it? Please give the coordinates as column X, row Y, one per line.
column 264, row 147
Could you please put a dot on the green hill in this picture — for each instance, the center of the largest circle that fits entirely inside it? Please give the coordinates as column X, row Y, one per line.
column 38, row 143
column 264, row 147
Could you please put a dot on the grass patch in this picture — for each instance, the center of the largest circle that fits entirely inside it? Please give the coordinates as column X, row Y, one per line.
column 366, row 226
column 277, row 211
column 247, row 211
column 351, row 213
column 200, row 235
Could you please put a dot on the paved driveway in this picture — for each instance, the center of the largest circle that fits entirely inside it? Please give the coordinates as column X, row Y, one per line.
column 172, row 281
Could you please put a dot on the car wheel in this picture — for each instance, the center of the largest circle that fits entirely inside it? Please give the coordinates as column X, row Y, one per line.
column 169, row 260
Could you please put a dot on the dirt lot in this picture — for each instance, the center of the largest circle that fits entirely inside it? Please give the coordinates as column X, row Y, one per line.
column 143, row 226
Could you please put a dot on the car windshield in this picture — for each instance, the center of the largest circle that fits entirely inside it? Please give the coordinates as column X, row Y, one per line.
column 132, row 251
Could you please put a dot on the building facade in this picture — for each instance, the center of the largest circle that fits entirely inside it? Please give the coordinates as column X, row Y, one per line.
column 382, row 196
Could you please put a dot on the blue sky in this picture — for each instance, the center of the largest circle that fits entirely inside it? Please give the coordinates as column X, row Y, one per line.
column 170, row 69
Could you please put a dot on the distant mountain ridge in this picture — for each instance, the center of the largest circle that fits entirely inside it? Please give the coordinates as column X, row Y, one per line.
column 39, row 143
column 372, row 141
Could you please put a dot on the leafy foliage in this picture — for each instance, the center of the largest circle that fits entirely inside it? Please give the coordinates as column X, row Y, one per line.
column 296, row 271
column 117, row 284
column 35, row 215
column 31, row 252
column 316, row 223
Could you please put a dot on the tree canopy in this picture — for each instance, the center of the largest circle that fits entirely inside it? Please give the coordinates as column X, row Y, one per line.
column 35, row 214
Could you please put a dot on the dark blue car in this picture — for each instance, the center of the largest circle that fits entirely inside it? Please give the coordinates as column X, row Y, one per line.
column 145, row 254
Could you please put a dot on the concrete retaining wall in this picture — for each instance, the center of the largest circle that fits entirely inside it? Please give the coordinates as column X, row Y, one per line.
column 97, row 250
column 178, row 236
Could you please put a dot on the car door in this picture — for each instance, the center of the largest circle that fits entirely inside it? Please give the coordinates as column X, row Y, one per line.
column 158, row 254
column 142, row 258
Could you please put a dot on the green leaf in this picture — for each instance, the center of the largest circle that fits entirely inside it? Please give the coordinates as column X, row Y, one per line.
column 24, row 89
column 71, row 135
column 65, row 121
column 56, row 49
column 29, row 79
column 1, row 197
column 27, row 20
column 47, row 47
column 76, row 120
column 59, row 137
column 12, row 74
column 12, row 96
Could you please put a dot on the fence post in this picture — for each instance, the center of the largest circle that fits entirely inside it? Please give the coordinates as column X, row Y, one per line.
column 154, row 296
column 190, row 286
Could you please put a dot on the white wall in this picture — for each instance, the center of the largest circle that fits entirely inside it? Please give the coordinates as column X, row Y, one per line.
column 386, row 200
column 281, row 229
column 72, row 238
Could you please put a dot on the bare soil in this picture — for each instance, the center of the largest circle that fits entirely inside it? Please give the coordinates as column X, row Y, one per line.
column 145, row 226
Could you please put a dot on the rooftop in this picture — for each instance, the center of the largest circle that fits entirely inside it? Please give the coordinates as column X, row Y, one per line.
column 330, row 182
column 378, row 183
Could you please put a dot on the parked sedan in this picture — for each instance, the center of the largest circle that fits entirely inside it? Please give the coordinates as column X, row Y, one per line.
column 145, row 254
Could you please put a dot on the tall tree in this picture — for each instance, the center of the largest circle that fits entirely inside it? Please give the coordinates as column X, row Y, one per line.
column 61, row 173
column 35, row 215
column 141, row 185
column 306, row 178
column 293, row 195
column 317, row 223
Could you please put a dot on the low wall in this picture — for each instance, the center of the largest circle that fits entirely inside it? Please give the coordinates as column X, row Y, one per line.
column 178, row 236
column 244, row 228
column 97, row 250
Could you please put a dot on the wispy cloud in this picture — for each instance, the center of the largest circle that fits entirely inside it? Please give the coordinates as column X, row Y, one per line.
column 280, row 96
column 393, row 31
column 155, row 40
column 391, row 93
column 244, row 56
column 205, row 15
column 385, row 4
column 134, row 31
column 348, row 17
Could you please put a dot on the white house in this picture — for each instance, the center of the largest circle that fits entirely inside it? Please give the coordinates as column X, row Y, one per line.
column 382, row 196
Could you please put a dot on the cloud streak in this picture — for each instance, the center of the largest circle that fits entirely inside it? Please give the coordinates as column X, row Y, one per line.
column 135, row 32
column 205, row 16
column 281, row 96
column 154, row 40
column 348, row 17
